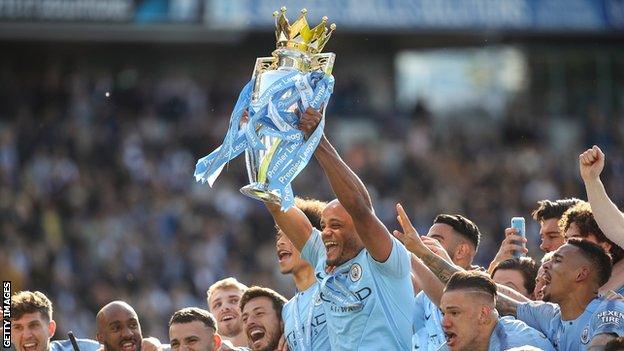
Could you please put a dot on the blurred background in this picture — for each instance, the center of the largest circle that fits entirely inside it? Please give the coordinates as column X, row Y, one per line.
column 477, row 107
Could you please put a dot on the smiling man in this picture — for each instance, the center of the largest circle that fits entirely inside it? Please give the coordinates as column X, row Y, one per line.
column 118, row 327
column 305, row 324
column 364, row 273
column 32, row 325
column 262, row 318
column 223, row 299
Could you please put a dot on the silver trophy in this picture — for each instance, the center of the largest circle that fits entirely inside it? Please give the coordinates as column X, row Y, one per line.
column 298, row 48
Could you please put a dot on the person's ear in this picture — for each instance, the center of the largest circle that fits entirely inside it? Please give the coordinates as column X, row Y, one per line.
column 52, row 328
column 217, row 341
column 582, row 274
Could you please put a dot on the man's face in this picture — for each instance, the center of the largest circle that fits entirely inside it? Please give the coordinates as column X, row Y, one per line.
column 540, row 281
column 339, row 236
column 32, row 332
column 289, row 258
column 560, row 273
column 223, row 304
column 460, row 321
column 120, row 330
column 193, row 336
column 263, row 326
column 512, row 278
column 574, row 231
column 447, row 237
column 550, row 235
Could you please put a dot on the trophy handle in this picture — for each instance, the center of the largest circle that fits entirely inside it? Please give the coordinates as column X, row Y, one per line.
column 323, row 62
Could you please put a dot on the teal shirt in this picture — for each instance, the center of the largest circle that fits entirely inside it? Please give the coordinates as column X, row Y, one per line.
column 368, row 304
column 304, row 301
column 600, row 316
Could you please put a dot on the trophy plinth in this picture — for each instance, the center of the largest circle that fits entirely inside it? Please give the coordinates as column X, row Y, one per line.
column 261, row 191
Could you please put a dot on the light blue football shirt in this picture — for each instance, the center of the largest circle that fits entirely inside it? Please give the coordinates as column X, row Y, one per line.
column 83, row 344
column 304, row 301
column 600, row 316
column 510, row 332
column 368, row 304
column 427, row 324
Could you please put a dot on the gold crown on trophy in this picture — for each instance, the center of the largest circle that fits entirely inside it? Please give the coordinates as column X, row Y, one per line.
column 299, row 35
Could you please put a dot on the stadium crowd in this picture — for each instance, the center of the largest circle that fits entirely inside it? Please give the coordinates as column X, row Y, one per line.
column 98, row 205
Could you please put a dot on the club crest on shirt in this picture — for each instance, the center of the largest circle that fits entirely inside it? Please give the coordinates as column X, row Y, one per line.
column 355, row 273
column 585, row 335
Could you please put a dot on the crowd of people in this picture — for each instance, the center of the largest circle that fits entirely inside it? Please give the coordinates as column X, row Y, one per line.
column 98, row 205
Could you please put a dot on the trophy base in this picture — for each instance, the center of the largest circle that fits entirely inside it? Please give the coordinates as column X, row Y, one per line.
column 260, row 191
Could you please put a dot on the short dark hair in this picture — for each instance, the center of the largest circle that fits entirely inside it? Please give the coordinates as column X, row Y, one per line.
column 471, row 280
column 547, row 209
column 192, row 314
column 256, row 291
column 462, row 225
column 312, row 208
column 525, row 265
column 581, row 214
column 24, row 302
column 616, row 344
column 599, row 258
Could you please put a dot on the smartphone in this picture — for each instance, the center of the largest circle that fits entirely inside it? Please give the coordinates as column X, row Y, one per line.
column 519, row 224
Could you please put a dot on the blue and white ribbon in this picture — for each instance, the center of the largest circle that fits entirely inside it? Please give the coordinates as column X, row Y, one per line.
column 270, row 111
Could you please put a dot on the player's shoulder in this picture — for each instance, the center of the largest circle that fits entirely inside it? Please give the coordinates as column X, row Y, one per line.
column 83, row 344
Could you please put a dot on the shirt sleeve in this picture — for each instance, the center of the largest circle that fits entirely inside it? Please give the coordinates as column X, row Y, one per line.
column 538, row 315
column 314, row 251
column 608, row 319
column 398, row 263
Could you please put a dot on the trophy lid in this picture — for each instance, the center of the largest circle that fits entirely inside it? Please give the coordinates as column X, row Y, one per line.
column 299, row 36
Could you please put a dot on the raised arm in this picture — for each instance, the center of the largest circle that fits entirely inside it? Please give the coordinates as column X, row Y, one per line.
column 293, row 223
column 351, row 193
column 442, row 269
column 609, row 218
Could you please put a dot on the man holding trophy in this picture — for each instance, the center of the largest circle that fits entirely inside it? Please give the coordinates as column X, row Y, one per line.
column 363, row 272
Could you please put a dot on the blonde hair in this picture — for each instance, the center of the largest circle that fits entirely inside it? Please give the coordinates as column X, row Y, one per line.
column 227, row 283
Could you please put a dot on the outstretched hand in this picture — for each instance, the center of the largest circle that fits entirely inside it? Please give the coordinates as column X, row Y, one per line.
column 309, row 120
column 591, row 163
column 409, row 237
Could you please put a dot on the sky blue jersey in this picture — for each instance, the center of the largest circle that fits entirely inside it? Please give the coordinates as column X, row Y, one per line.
column 309, row 312
column 368, row 304
column 427, row 324
column 83, row 344
column 600, row 316
column 510, row 332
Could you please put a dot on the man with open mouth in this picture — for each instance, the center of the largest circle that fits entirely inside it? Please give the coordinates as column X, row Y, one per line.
column 471, row 321
column 223, row 299
column 363, row 272
column 32, row 325
column 305, row 326
column 262, row 318
column 118, row 327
